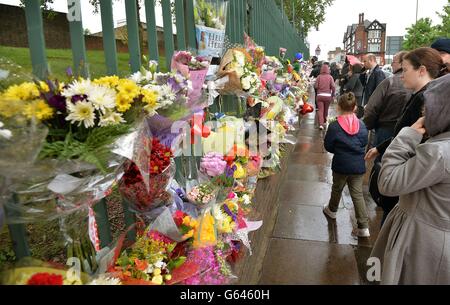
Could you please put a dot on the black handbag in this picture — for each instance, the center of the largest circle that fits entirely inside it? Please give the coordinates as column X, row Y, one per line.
column 373, row 183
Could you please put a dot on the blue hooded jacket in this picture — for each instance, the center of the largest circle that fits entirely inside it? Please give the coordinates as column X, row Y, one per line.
column 347, row 139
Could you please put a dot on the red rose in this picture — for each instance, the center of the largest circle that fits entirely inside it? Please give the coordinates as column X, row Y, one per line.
column 46, row 279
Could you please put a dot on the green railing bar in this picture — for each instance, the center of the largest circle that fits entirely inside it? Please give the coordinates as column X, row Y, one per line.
column 179, row 13
column 109, row 38
column 130, row 219
column 80, row 65
column 168, row 34
column 17, row 232
column 103, row 225
column 36, row 41
column 239, row 24
column 152, row 34
column 133, row 35
column 190, row 24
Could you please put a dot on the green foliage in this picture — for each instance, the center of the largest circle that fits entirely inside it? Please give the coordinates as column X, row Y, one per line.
column 308, row 14
column 93, row 149
column 443, row 29
column 421, row 34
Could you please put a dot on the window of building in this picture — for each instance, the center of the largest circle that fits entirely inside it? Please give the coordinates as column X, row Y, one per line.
column 374, row 47
column 374, row 34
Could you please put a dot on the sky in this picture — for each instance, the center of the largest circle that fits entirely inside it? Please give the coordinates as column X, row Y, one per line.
column 398, row 14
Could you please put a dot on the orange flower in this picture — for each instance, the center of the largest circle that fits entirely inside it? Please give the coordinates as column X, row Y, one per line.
column 140, row 265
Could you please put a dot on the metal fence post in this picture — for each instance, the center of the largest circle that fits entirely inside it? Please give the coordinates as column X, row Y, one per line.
column 133, row 35
column 168, row 33
column 109, row 37
column 77, row 43
column 152, row 34
column 36, row 39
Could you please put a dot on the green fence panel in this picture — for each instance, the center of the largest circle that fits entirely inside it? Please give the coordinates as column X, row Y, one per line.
column 133, row 35
column 80, row 65
column 17, row 232
column 181, row 28
column 103, row 226
column 190, row 24
column 109, row 38
column 152, row 34
column 36, row 41
column 168, row 33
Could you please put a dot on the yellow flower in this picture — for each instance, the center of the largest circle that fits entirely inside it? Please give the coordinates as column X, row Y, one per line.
column 188, row 234
column 240, row 171
column 10, row 108
column 158, row 280
column 157, row 272
column 38, row 109
column 44, row 86
column 23, row 92
column 109, row 81
column 206, row 236
column 168, row 277
column 128, row 87
column 123, row 102
column 150, row 97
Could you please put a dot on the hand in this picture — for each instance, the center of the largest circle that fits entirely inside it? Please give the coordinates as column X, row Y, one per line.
column 419, row 126
column 371, row 154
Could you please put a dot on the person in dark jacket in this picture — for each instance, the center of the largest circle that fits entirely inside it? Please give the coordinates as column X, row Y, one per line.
column 316, row 67
column 346, row 138
column 343, row 77
column 386, row 104
column 334, row 71
column 442, row 45
column 372, row 78
column 354, row 85
column 420, row 67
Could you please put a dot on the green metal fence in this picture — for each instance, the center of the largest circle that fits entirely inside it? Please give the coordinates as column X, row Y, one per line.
column 261, row 19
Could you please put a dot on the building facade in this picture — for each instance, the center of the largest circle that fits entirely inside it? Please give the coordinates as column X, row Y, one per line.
column 366, row 37
column 337, row 56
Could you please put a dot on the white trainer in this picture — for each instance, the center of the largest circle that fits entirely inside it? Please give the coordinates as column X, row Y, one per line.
column 361, row 232
column 328, row 212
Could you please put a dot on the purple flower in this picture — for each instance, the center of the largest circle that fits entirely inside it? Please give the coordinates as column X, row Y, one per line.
column 228, row 211
column 78, row 98
column 69, row 71
column 58, row 102
column 229, row 171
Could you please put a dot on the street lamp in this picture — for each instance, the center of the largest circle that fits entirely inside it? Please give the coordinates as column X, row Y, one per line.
column 318, row 51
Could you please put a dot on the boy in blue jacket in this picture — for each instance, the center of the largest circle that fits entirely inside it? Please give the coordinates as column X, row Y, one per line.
column 347, row 139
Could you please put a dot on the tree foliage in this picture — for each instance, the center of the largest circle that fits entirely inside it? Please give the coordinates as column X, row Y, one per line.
column 420, row 34
column 424, row 33
column 307, row 14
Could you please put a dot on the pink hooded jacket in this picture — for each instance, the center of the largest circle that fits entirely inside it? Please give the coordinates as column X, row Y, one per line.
column 325, row 82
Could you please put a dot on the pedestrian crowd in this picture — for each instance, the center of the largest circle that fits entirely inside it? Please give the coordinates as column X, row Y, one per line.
column 401, row 122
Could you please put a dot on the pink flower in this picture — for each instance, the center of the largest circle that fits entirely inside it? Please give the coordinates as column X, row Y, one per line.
column 213, row 164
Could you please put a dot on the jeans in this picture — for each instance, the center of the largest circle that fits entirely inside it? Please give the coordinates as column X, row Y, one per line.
column 355, row 185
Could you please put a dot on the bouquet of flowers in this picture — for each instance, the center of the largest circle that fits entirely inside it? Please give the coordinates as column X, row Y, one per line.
column 210, row 13
column 237, row 66
column 203, row 194
column 143, row 196
column 150, row 260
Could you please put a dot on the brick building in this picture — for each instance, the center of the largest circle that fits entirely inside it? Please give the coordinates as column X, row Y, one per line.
column 366, row 37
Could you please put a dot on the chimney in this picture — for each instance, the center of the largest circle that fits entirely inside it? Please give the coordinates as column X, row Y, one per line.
column 362, row 19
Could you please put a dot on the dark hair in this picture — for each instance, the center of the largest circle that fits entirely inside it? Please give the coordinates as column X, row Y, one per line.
column 401, row 56
column 429, row 58
column 347, row 102
column 357, row 68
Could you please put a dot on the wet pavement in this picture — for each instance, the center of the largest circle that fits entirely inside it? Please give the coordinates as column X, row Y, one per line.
column 305, row 247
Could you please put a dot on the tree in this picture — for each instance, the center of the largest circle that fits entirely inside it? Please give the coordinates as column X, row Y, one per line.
column 307, row 14
column 444, row 28
column 420, row 34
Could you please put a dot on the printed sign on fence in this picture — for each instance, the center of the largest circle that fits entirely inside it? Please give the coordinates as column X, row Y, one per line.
column 210, row 41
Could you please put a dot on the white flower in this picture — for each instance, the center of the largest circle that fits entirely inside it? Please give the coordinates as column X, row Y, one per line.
column 82, row 87
column 103, row 280
column 111, row 118
column 246, row 83
column 160, row 265
column 81, row 112
column 179, row 78
column 136, row 77
column 240, row 58
column 246, row 199
column 5, row 133
column 102, row 98
column 217, row 212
